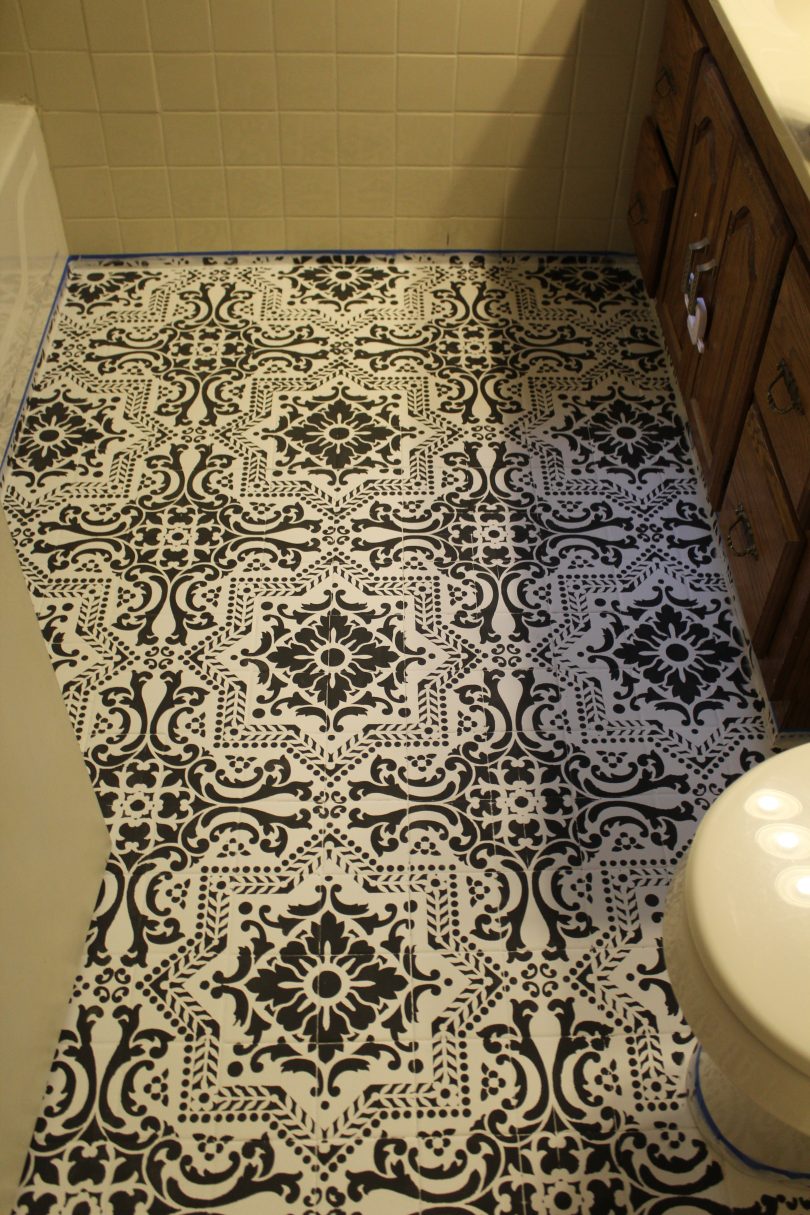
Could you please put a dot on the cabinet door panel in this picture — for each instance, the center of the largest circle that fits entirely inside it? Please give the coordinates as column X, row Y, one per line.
column 675, row 74
column 651, row 199
column 783, row 384
column 715, row 131
column 762, row 539
column 738, row 297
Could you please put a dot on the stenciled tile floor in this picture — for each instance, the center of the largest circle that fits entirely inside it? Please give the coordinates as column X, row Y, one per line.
column 389, row 617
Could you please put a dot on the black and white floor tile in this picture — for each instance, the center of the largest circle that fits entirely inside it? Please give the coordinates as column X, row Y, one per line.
column 388, row 614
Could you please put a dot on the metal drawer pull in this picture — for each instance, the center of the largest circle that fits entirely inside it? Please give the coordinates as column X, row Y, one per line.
column 665, row 84
column 693, row 282
column 636, row 212
column 750, row 549
column 784, row 373
column 692, row 249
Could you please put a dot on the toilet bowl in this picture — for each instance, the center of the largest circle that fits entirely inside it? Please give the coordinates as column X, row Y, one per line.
column 737, row 947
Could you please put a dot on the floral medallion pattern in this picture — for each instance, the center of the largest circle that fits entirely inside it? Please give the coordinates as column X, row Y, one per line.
column 391, row 623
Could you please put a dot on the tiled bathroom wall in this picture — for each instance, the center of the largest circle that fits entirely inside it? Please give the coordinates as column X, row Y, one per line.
column 272, row 124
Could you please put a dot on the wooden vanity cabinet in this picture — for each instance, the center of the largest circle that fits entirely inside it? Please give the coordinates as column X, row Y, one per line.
column 651, row 201
column 675, row 74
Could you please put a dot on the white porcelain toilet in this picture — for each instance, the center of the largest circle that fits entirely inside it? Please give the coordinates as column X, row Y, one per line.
column 737, row 946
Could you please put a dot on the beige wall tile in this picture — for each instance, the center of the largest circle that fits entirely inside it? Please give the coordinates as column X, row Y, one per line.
column 532, row 194
column 179, row 25
column 427, row 26
column 425, row 139
column 242, row 25
column 596, row 138
column 186, row 82
column 93, row 235
column 12, row 36
column 73, row 138
column 133, row 139
column 609, row 28
column 246, row 81
column 366, row 139
column 424, row 192
column 258, row 234
column 485, row 82
column 478, row 191
column 192, row 138
column 84, row 193
column 125, row 82
column 529, row 234
column 582, row 234
column 368, row 233
column 116, row 25
column 366, row 82
column 203, row 235
column 421, row 233
column 548, row 27
column 64, row 80
column 481, row 139
column 254, row 191
column 367, row 191
column 304, row 25
column 54, row 25
column 306, row 82
column 313, row 233
column 487, row 28
column 477, row 233
column 147, row 235
column 198, row 192
column 141, row 193
column 543, row 85
column 308, row 138
column 537, row 139
column 588, row 189
column 310, row 191
column 603, row 84
column 250, row 138
column 16, row 77
column 426, row 82
column 366, row 25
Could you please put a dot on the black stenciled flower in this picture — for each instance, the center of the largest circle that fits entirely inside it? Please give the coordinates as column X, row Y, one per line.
column 56, row 437
column 343, row 282
column 629, row 435
column 334, row 657
column 337, row 434
column 677, row 653
column 589, row 282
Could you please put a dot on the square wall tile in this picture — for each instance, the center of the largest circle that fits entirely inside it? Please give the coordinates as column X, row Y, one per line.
column 543, row 85
column 530, row 233
column 64, row 80
column 312, row 233
column 369, row 233
column 366, row 191
column 12, row 34
column 254, row 191
column 179, row 25
column 421, row 233
column 550, row 28
column 198, row 192
column 186, row 82
column 258, row 234
column 366, row 139
column 609, row 28
column 310, row 191
column 366, row 25
column 125, row 82
column 54, row 25
column 73, row 138
column 366, row 82
column 603, row 83
column 426, row 82
column 84, row 193
column 532, row 192
column 478, row 191
column 306, row 82
column 308, row 138
column 588, row 189
column 93, row 236
column 487, row 28
column 537, row 139
column 17, row 78
column 246, row 81
column 147, row 235
column 596, row 138
column 242, row 25
column 202, row 235
column 141, row 193
column 481, row 139
column 476, row 233
column 424, row 192
column 116, row 25
column 250, row 138
column 133, row 139
column 580, row 234
column 304, row 25
column 485, row 82
column 192, row 138
column 425, row 139
column 427, row 26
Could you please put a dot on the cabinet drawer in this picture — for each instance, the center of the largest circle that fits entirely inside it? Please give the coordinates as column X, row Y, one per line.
column 675, row 76
column 783, row 384
column 759, row 528
column 651, row 199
